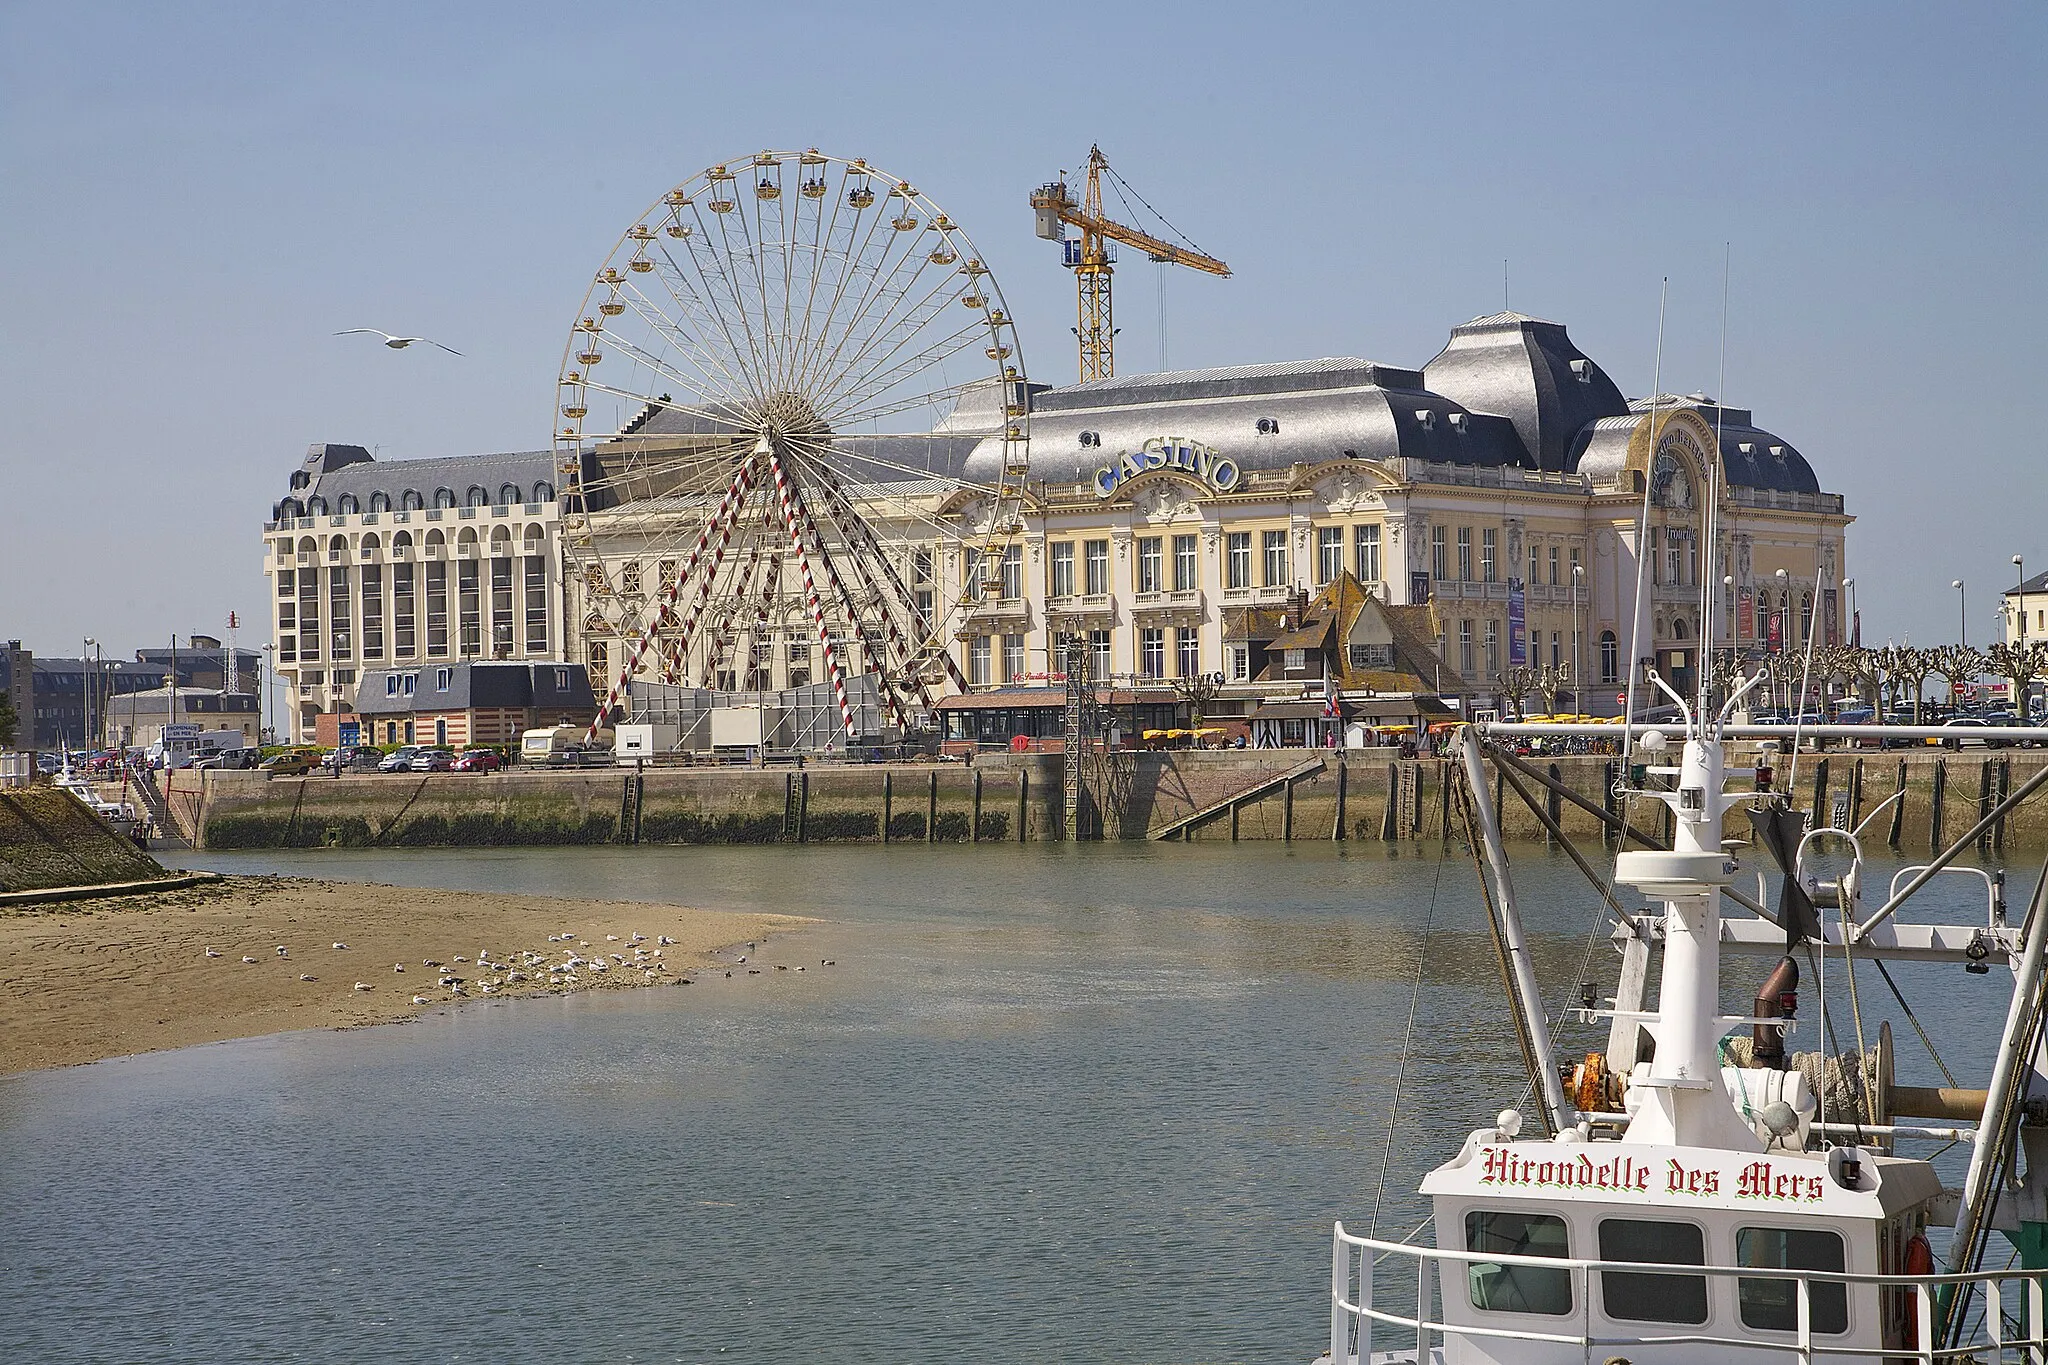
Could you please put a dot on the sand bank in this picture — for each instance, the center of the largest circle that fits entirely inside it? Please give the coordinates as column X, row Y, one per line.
column 104, row 978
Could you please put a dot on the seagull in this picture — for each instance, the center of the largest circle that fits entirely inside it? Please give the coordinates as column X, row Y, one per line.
column 281, row 951
column 304, row 977
column 364, row 986
column 421, row 1000
column 210, row 952
column 395, row 343
column 248, row 959
column 341, row 945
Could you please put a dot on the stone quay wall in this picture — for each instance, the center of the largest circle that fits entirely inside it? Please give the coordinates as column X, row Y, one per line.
column 1247, row 794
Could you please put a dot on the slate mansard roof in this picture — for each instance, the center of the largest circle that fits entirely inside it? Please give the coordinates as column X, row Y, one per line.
column 1506, row 390
column 475, row 683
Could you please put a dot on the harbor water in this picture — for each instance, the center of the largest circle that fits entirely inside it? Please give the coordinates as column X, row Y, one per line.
column 1053, row 1103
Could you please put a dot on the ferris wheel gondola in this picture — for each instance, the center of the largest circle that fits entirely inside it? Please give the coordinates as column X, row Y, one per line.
column 793, row 393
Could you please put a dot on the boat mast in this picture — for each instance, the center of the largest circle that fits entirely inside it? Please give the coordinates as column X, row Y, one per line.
column 1684, row 1101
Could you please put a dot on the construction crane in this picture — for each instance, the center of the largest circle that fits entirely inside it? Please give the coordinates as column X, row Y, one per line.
column 1093, row 263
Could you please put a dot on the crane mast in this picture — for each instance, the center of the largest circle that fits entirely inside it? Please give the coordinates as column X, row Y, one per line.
column 1093, row 263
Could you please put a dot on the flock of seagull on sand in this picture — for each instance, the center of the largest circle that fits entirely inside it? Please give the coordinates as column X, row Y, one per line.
column 583, row 963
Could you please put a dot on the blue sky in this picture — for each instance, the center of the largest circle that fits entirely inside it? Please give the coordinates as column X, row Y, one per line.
column 197, row 196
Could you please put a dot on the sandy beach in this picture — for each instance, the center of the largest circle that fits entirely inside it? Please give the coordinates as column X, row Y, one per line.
column 89, row 979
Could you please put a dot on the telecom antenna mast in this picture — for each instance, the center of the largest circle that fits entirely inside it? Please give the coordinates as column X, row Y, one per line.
column 1093, row 262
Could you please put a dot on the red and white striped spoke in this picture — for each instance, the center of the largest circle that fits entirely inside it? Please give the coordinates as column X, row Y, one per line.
column 803, row 562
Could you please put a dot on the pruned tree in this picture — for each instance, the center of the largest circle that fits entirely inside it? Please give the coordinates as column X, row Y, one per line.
column 1910, row 666
column 2018, row 666
column 1960, row 664
column 1552, row 679
column 1515, row 684
column 1867, row 676
column 9, row 721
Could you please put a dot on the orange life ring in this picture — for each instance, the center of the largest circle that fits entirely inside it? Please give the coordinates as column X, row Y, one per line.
column 1919, row 1261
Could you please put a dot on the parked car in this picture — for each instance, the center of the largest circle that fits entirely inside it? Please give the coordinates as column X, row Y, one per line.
column 230, row 758
column 355, row 758
column 479, row 761
column 399, row 760
column 433, row 760
column 1963, row 725
column 290, row 763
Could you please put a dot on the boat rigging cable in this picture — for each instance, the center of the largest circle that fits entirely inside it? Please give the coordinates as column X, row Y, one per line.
column 1408, row 1036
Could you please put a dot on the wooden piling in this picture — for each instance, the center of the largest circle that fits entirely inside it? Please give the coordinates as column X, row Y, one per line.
column 1337, row 823
column 1390, row 818
column 2004, row 790
column 931, row 809
column 1856, row 794
column 1820, row 794
column 1553, row 804
column 974, row 824
column 888, row 801
column 803, row 807
column 1023, row 805
column 1898, row 809
column 1940, row 793
column 1287, row 813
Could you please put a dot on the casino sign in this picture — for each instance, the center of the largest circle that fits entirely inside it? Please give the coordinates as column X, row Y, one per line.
column 1191, row 458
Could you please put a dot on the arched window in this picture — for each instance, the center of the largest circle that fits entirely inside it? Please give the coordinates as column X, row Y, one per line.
column 508, row 494
column 347, row 505
column 534, row 539
column 401, row 544
column 444, row 497
column 410, row 500
column 380, row 502
column 300, row 479
column 1678, row 628
column 478, row 497
column 316, row 506
column 371, row 543
column 1610, row 657
column 289, row 508
column 308, row 546
column 543, row 492
column 501, row 542
column 1763, row 615
column 468, row 536
column 1805, row 617
column 435, row 540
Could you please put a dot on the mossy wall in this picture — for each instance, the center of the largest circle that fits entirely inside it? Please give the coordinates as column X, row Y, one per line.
column 49, row 839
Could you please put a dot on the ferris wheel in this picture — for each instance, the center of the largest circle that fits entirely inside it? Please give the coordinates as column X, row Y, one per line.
column 792, row 409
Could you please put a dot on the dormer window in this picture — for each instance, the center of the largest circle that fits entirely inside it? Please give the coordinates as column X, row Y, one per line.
column 1426, row 418
column 1457, row 421
column 1582, row 370
column 301, row 479
column 1267, row 426
column 1778, row 454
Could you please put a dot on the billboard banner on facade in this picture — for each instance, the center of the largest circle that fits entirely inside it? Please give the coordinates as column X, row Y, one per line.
column 1518, row 625
column 1418, row 587
column 1830, row 618
column 1745, row 616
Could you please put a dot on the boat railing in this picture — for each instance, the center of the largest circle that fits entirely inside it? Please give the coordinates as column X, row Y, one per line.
column 1419, row 1322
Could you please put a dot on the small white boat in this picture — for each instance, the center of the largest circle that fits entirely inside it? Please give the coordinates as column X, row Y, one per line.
column 1686, row 1197
column 119, row 816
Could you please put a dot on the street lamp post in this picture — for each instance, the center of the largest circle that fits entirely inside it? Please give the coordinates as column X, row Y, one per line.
column 1855, row 626
column 1962, row 610
column 2019, row 563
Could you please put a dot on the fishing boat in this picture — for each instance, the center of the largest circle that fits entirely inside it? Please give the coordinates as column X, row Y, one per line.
column 1699, row 1192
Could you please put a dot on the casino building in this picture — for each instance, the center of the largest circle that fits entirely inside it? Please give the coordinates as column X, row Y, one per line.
column 1181, row 524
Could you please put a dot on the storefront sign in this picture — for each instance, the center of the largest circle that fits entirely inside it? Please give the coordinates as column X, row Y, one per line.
column 1189, row 457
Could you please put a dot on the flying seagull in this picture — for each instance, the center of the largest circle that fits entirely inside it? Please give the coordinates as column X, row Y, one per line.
column 395, row 343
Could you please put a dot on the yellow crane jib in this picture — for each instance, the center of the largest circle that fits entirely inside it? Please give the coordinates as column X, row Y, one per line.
column 1092, row 262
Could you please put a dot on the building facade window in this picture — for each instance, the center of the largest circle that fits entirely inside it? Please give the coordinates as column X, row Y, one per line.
column 1535, row 557
column 1237, row 663
column 1610, row 657
column 1553, row 566
column 340, row 619
column 309, row 614
column 1656, row 571
column 437, row 609
column 1329, row 553
column 1152, row 652
column 1151, row 564
column 537, row 605
column 977, row 661
column 1274, row 545
column 1237, row 564
column 1013, row 657
column 373, row 611
column 1492, row 633
column 1489, row 558
column 1062, row 584
column 1186, row 571
column 1187, row 650
column 1365, row 544
column 1464, row 554
column 1098, row 649
column 471, row 602
column 1465, row 648
column 403, row 638
column 1439, row 557
column 1095, row 568
column 1013, row 572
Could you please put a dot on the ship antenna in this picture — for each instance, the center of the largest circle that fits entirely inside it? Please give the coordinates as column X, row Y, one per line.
column 1635, row 626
